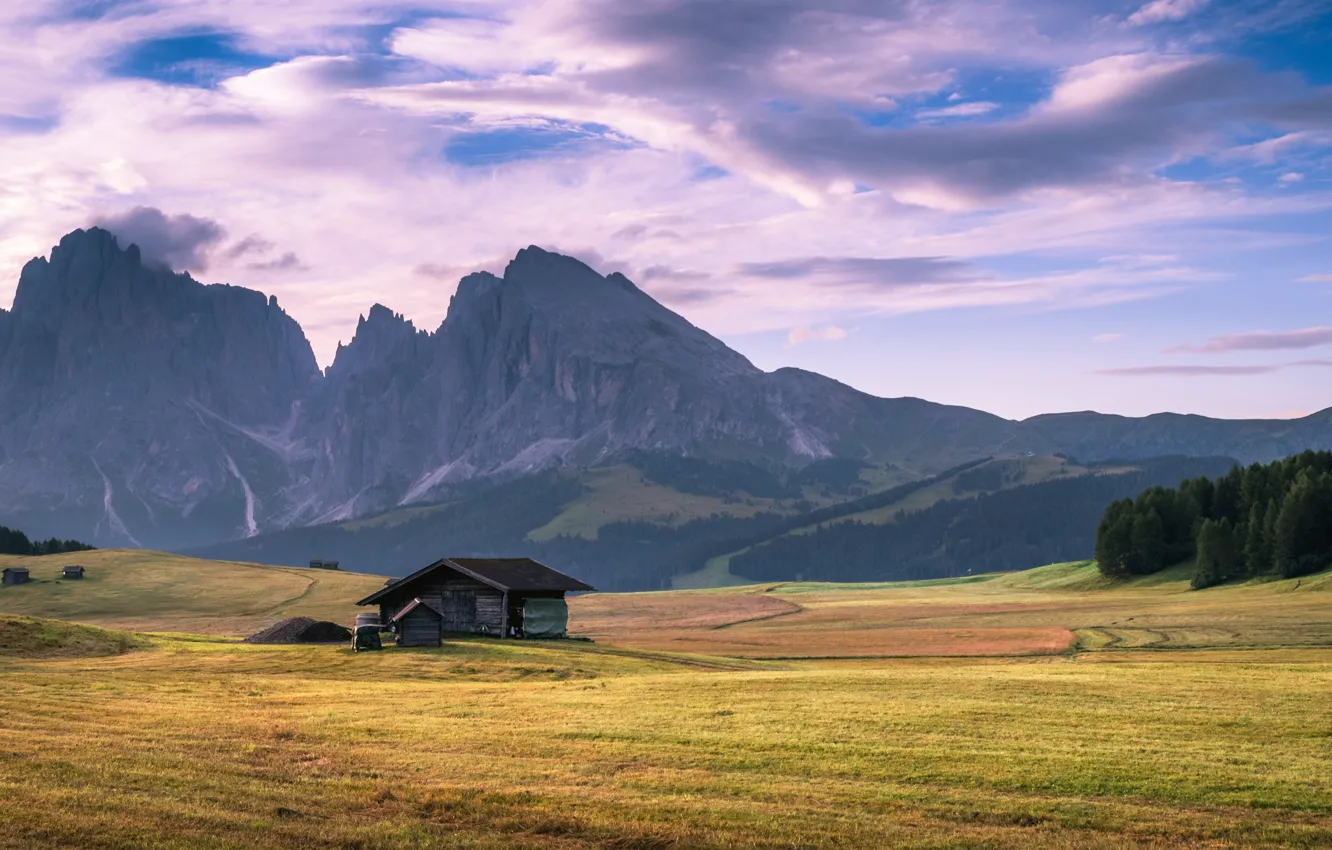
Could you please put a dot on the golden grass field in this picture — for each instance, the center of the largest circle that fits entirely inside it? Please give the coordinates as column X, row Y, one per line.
column 923, row 715
column 156, row 591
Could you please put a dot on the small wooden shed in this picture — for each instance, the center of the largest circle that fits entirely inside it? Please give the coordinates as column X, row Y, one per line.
column 73, row 571
column 504, row 597
column 419, row 624
column 320, row 564
column 14, row 575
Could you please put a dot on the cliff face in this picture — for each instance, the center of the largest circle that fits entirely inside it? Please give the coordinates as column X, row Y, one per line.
column 128, row 390
column 140, row 406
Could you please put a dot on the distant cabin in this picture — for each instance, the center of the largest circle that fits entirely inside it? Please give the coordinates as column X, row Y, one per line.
column 14, row 575
column 504, row 597
column 323, row 565
column 73, row 571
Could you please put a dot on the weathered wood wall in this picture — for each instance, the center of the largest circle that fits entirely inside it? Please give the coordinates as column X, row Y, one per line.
column 419, row 628
column 467, row 604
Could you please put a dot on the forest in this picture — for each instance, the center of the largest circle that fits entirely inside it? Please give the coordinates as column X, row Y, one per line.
column 15, row 542
column 1015, row 529
column 1265, row 519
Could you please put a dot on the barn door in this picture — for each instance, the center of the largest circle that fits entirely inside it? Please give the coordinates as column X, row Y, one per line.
column 459, row 610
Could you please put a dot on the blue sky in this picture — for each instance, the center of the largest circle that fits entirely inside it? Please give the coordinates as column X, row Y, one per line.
column 1023, row 207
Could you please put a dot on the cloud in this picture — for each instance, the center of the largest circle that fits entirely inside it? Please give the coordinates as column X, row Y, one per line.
column 1211, row 371
column 1316, row 278
column 1159, row 11
column 630, row 232
column 1262, row 341
column 961, row 110
column 827, row 333
column 1290, row 177
column 182, row 242
column 687, row 296
column 769, row 162
column 287, row 262
column 870, row 272
column 252, row 244
column 1112, row 337
column 663, row 272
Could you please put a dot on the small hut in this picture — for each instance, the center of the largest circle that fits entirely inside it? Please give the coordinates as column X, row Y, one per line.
column 419, row 624
column 504, row 597
column 74, row 571
column 14, row 575
column 319, row 564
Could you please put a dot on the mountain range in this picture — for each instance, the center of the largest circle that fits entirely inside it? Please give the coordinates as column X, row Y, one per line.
column 139, row 406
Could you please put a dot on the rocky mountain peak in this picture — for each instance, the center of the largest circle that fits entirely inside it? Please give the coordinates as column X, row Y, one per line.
column 82, row 267
column 145, row 407
column 379, row 334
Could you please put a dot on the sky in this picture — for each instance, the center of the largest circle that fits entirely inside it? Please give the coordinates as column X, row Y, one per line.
column 1023, row 207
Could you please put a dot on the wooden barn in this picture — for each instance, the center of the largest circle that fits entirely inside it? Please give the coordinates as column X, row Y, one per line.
column 72, row 571
column 14, row 575
column 504, row 597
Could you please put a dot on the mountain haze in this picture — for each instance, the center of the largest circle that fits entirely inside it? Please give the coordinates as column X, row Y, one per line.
column 139, row 406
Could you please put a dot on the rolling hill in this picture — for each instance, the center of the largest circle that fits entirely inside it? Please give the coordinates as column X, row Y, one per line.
column 684, row 527
column 160, row 592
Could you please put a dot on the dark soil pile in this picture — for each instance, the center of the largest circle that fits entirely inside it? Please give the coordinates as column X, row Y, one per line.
column 301, row 630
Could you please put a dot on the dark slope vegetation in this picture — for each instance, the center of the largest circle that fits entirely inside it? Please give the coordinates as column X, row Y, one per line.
column 1015, row 529
column 486, row 518
column 1026, row 526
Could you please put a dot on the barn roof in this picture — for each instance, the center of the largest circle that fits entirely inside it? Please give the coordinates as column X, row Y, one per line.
column 15, row 569
column 412, row 606
column 500, row 573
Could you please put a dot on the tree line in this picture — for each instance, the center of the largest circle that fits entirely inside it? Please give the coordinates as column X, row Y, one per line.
column 15, row 542
column 1266, row 519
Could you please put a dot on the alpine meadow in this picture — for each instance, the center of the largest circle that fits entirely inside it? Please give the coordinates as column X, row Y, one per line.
column 679, row 424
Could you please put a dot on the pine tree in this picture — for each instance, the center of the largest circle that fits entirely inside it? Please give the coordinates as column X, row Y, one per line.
column 1258, row 546
column 1303, row 534
column 1114, row 543
column 1218, row 554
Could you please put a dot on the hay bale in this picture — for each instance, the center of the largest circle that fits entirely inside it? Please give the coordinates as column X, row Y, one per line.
column 301, row 630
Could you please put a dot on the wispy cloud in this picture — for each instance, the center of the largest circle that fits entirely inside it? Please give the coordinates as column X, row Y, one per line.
column 1111, row 337
column 1159, row 11
column 1262, row 341
column 961, row 110
column 1195, row 371
column 826, row 333
column 1316, row 278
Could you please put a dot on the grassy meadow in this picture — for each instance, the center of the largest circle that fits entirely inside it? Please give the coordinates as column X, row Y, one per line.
column 1033, row 709
column 155, row 591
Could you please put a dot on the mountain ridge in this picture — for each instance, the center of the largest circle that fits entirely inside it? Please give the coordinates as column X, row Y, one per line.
column 138, row 405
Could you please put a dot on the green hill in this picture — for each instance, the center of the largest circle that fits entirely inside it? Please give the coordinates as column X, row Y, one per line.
column 156, row 591
column 34, row 637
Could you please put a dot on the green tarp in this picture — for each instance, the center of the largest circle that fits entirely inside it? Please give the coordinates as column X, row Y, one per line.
column 545, row 618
